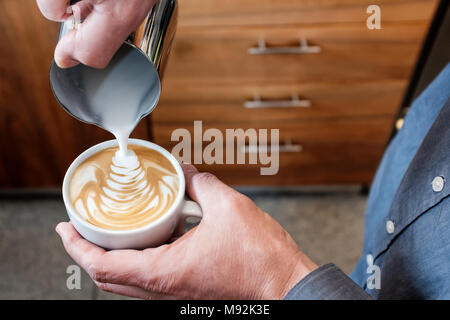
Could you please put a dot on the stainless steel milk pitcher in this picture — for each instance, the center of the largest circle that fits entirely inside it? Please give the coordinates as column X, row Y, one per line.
column 134, row 72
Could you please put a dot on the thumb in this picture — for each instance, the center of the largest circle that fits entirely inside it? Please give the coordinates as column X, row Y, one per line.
column 65, row 52
column 206, row 189
column 94, row 40
column 56, row 10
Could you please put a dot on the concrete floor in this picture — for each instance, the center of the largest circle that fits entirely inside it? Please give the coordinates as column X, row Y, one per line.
column 328, row 226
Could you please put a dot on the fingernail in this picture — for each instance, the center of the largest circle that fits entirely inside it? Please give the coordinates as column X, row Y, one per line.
column 57, row 229
column 69, row 10
column 59, row 62
column 65, row 63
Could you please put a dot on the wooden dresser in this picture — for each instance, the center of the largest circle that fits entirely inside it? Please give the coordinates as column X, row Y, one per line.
column 354, row 84
column 229, row 54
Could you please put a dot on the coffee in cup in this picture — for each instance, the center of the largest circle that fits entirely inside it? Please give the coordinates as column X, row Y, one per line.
column 127, row 201
column 124, row 192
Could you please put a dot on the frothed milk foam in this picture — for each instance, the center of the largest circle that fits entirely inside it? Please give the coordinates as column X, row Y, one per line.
column 123, row 192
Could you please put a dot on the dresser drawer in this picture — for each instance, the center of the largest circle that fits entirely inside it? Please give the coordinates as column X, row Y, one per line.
column 257, row 12
column 311, row 152
column 269, row 103
column 355, row 131
column 346, row 53
column 323, row 165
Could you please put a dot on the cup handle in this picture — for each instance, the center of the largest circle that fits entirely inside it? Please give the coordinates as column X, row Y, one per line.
column 190, row 209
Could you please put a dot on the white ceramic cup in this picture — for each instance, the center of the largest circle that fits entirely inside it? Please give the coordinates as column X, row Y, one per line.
column 151, row 235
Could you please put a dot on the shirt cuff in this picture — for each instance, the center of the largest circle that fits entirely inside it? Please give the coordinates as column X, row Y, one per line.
column 327, row 283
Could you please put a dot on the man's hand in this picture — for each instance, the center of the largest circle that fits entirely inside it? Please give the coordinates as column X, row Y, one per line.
column 105, row 25
column 236, row 252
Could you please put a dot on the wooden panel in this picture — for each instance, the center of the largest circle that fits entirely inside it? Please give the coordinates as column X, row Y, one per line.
column 335, row 151
column 350, row 53
column 339, row 165
column 37, row 138
column 210, row 74
column 217, row 103
column 257, row 12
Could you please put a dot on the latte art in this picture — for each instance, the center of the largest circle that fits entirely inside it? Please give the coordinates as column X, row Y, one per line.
column 119, row 192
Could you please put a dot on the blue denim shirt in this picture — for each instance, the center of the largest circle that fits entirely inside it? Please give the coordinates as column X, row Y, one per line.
column 406, row 252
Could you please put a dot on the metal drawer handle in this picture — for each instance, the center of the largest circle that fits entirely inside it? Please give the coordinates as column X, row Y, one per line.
column 303, row 48
column 294, row 102
column 287, row 147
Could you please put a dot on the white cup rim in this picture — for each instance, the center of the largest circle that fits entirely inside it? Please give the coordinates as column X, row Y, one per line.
column 73, row 214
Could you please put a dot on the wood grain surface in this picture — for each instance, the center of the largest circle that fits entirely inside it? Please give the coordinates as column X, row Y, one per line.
column 355, row 85
column 218, row 103
column 275, row 12
column 334, row 151
column 349, row 53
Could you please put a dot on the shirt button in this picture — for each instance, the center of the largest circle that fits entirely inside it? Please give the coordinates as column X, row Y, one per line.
column 438, row 184
column 369, row 259
column 390, row 226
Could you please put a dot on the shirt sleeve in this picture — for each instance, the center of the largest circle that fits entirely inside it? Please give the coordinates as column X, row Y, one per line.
column 327, row 283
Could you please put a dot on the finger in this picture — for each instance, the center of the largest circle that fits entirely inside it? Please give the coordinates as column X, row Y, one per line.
column 206, row 189
column 201, row 186
column 103, row 29
column 64, row 56
column 55, row 10
column 130, row 291
column 60, row 10
column 81, row 10
column 124, row 267
column 94, row 43
column 189, row 170
column 72, row 239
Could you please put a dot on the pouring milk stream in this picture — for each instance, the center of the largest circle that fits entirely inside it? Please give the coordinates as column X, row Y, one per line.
column 116, row 98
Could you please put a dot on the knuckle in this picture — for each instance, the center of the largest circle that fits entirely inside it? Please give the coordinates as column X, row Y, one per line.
column 204, row 178
column 238, row 201
column 159, row 281
column 97, row 273
column 160, row 285
column 189, row 168
column 73, row 239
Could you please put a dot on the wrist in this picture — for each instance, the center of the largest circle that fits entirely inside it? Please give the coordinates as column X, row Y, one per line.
column 301, row 269
column 280, row 280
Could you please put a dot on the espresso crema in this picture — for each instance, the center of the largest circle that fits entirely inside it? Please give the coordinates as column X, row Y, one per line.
column 123, row 192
